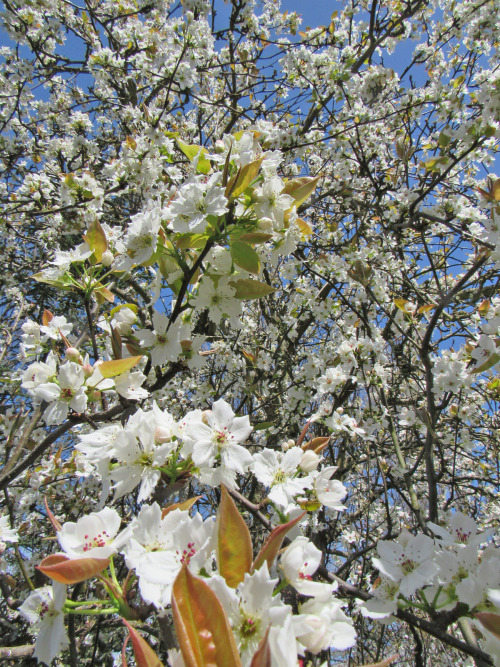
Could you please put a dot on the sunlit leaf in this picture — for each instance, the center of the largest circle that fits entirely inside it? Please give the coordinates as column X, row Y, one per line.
column 234, row 544
column 245, row 256
column 245, row 176
column 255, row 237
column 301, row 188
column 246, row 288
column 191, row 151
column 489, row 363
column 96, row 239
column 201, row 625
column 110, row 369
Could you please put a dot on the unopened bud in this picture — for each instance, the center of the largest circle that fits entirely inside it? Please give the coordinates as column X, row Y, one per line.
column 309, row 461
column 73, row 354
column 87, row 370
column 107, row 258
column 162, row 435
column 219, row 146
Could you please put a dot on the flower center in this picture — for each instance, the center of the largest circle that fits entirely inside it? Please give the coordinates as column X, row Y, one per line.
column 99, row 540
column 187, row 554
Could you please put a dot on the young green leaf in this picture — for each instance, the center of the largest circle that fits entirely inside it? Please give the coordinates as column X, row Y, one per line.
column 234, row 544
column 245, row 256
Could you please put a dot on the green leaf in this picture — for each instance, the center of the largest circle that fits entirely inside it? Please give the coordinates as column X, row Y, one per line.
column 185, row 241
column 234, row 544
column 110, row 369
column 96, row 239
column 246, row 288
column 193, row 150
column 64, row 282
column 444, row 139
column 201, row 625
column 273, row 543
column 245, row 256
column 489, row 363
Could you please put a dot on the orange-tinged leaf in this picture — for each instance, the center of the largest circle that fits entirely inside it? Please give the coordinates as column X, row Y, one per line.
column 426, row 308
column 71, row 570
column 243, row 179
column 144, row 654
column 96, row 239
column 309, row 505
column 201, row 625
column 234, row 544
column 131, row 142
column 46, row 317
column 185, row 505
column 495, row 190
column 262, row 656
column 55, row 523
column 110, row 369
column 273, row 543
column 490, row 621
column 103, row 293
column 316, row 443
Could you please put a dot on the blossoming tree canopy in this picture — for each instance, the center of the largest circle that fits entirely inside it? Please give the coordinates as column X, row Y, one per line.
column 250, row 333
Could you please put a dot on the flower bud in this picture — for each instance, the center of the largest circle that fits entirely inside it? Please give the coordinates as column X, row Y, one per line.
column 309, row 461
column 219, row 146
column 73, row 354
column 162, row 435
column 107, row 258
column 87, row 370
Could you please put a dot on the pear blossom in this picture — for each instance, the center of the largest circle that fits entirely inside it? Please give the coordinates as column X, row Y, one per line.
column 217, row 438
column 195, row 201
column 299, row 562
column 330, row 492
column 92, row 536
column 462, row 531
column 409, row 561
column 278, row 471
column 158, row 547
column 270, row 202
column 322, row 624
column 165, row 339
column 67, row 393
column 251, row 609
column 44, row 608
column 7, row 534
